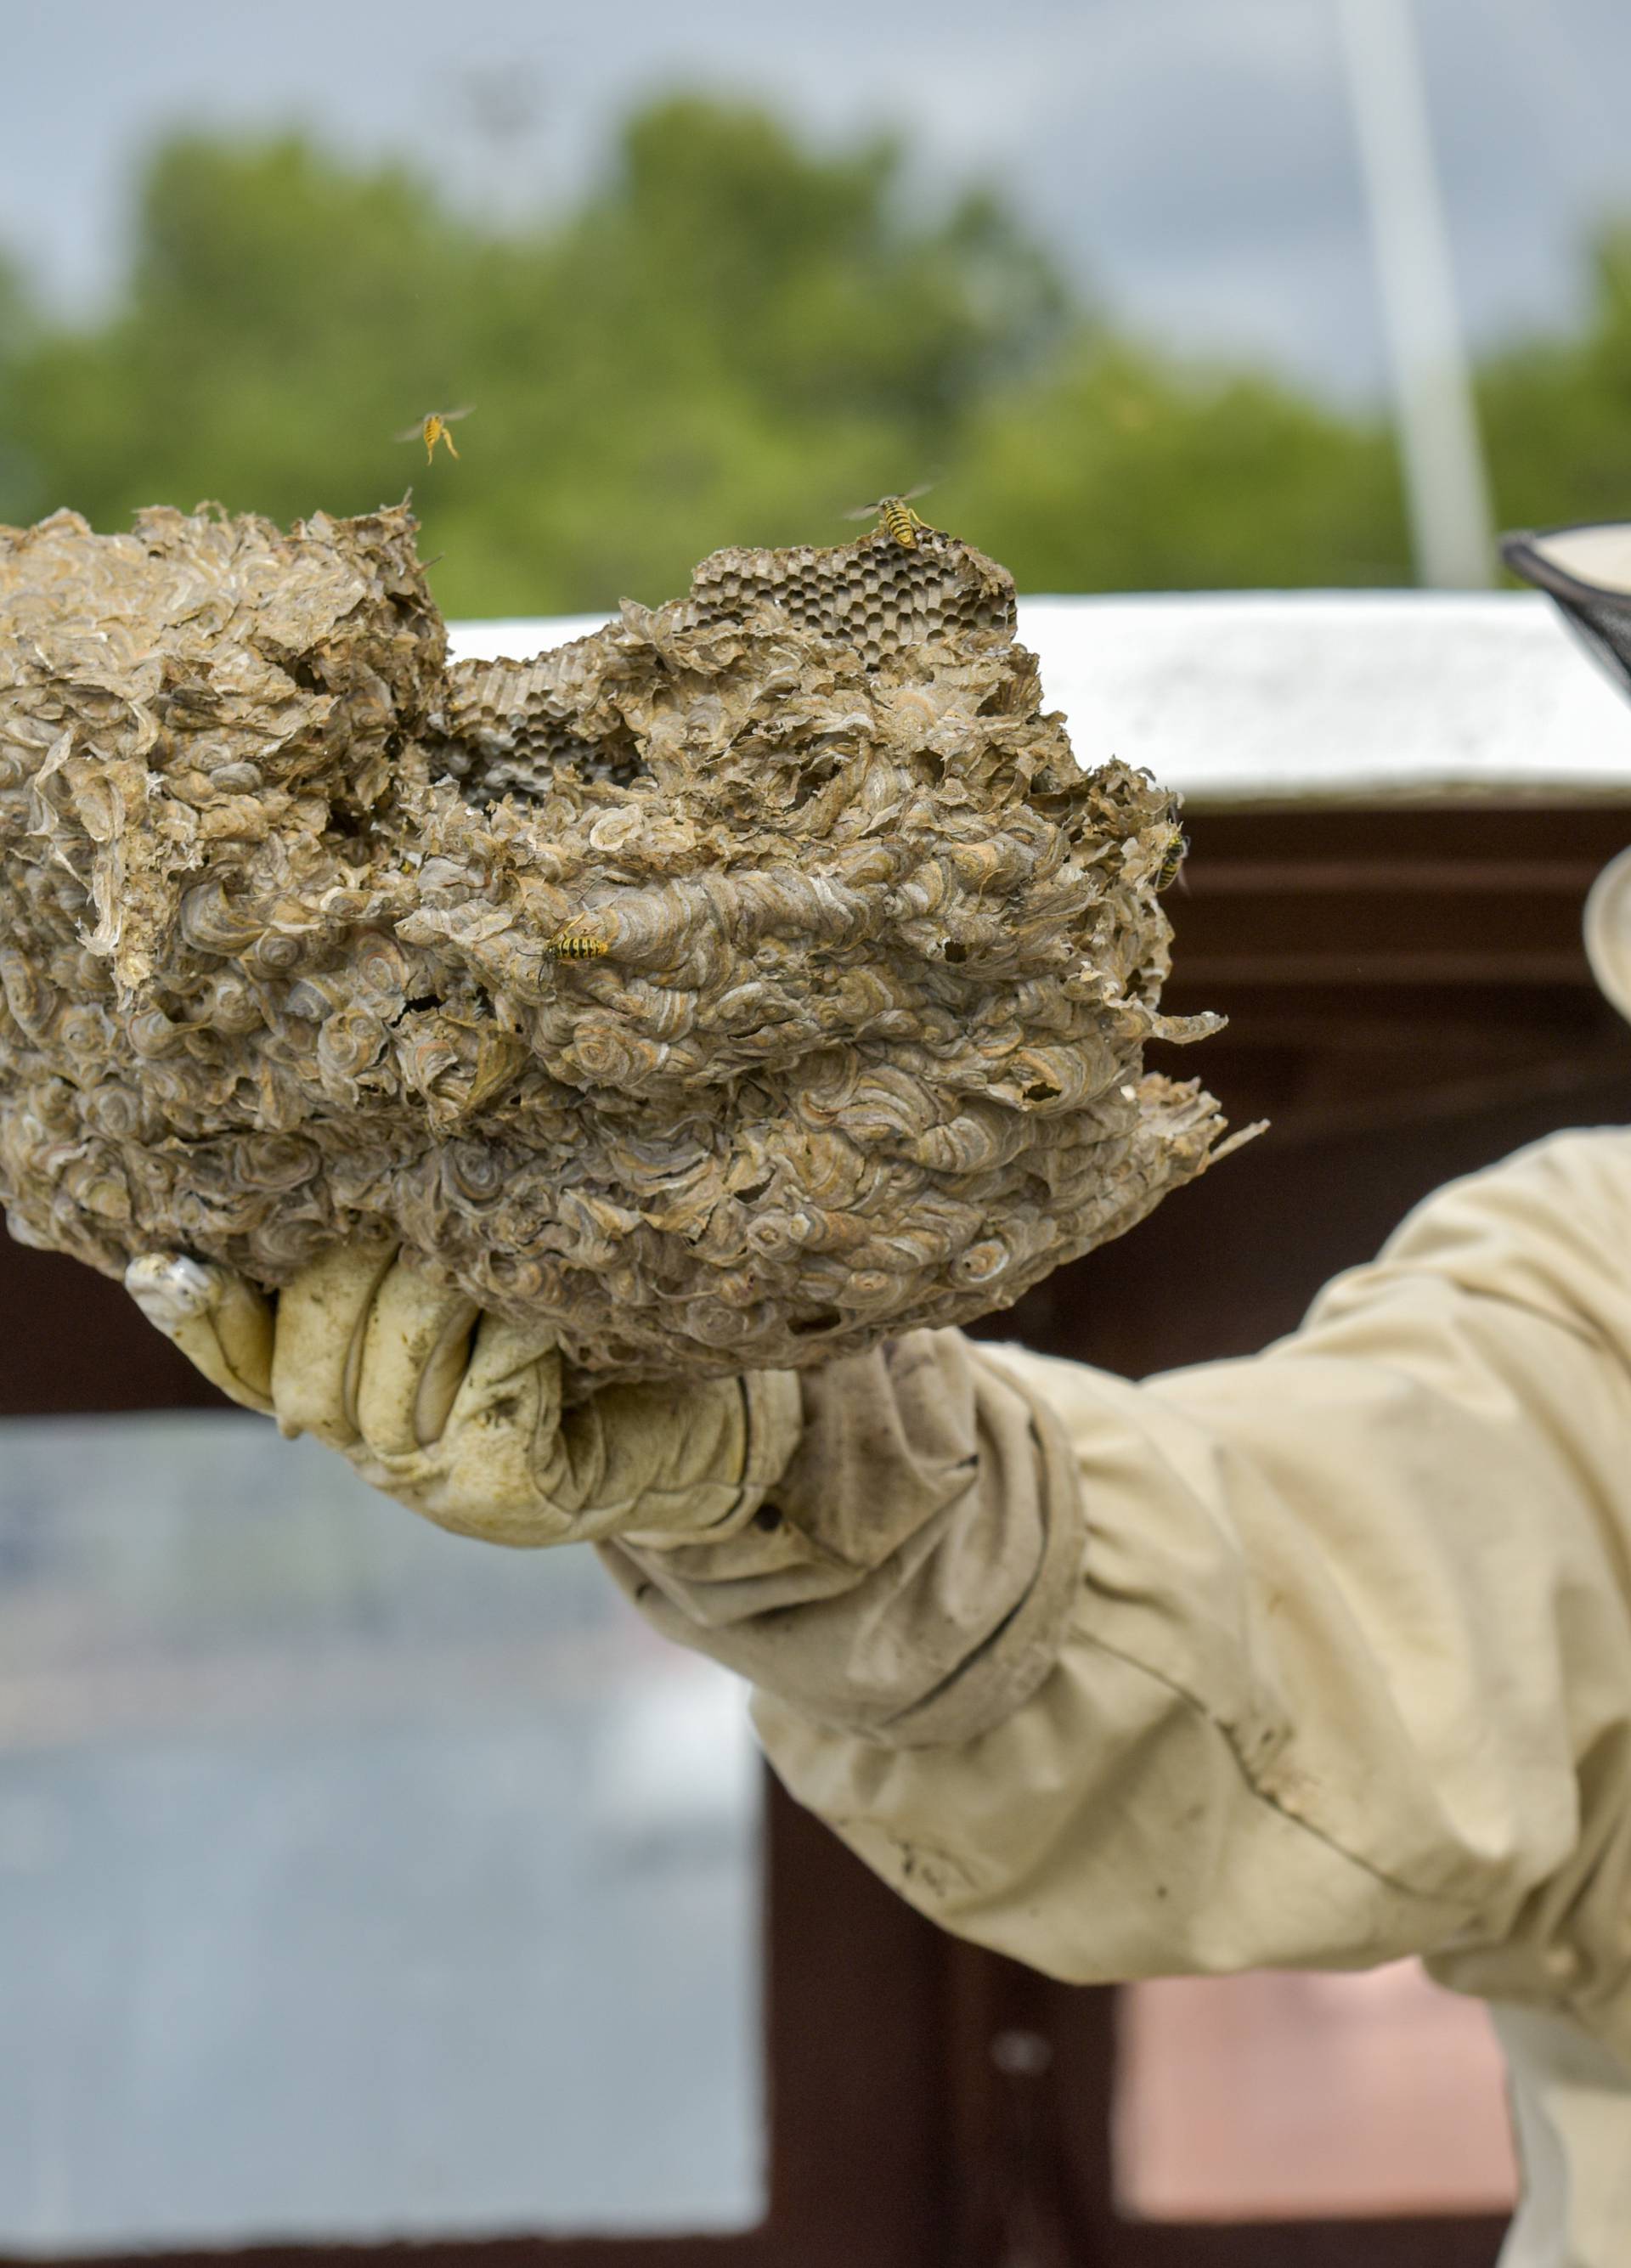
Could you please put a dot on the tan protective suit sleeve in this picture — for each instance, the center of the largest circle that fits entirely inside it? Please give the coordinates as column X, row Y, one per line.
column 1326, row 1659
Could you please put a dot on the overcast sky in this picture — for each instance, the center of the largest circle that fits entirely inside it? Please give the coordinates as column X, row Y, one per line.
column 1191, row 159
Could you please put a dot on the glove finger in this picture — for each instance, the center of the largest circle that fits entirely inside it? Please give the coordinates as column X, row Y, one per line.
column 666, row 1455
column 732, row 1443
column 667, row 1462
column 416, row 1351
column 775, row 1404
column 487, row 1477
column 221, row 1323
column 317, row 1355
column 504, row 1359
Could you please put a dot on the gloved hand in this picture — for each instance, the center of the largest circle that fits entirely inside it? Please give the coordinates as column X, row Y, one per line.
column 458, row 1416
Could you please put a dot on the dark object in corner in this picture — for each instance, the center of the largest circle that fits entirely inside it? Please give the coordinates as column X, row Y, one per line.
column 1586, row 568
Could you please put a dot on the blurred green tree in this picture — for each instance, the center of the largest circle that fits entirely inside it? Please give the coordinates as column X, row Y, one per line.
column 733, row 338
column 1121, row 470
column 16, row 332
column 1556, row 413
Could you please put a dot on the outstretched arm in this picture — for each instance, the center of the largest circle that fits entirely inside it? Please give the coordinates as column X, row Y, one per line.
column 1322, row 1657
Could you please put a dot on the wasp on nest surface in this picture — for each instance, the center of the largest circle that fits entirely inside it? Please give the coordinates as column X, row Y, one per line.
column 895, row 517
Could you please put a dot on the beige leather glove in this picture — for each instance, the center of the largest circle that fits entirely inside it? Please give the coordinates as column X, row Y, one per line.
column 458, row 1416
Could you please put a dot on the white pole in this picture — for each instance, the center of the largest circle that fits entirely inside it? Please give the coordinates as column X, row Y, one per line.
column 1447, row 493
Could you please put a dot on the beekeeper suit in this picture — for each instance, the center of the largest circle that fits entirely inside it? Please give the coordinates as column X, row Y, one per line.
column 1318, row 1658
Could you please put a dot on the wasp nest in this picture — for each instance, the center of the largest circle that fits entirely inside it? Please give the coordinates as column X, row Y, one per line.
column 750, row 981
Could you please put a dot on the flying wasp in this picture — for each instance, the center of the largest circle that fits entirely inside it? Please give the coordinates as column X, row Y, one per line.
column 895, row 513
column 574, row 944
column 432, row 428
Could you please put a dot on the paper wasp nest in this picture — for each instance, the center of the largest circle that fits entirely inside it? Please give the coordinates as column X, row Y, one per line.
column 301, row 932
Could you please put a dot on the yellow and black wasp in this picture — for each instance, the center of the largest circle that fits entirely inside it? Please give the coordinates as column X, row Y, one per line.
column 894, row 514
column 574, row 944
column 1172, row 862
column 432, row 428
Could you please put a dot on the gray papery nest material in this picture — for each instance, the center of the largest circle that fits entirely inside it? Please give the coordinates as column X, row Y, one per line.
column 749, row 982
